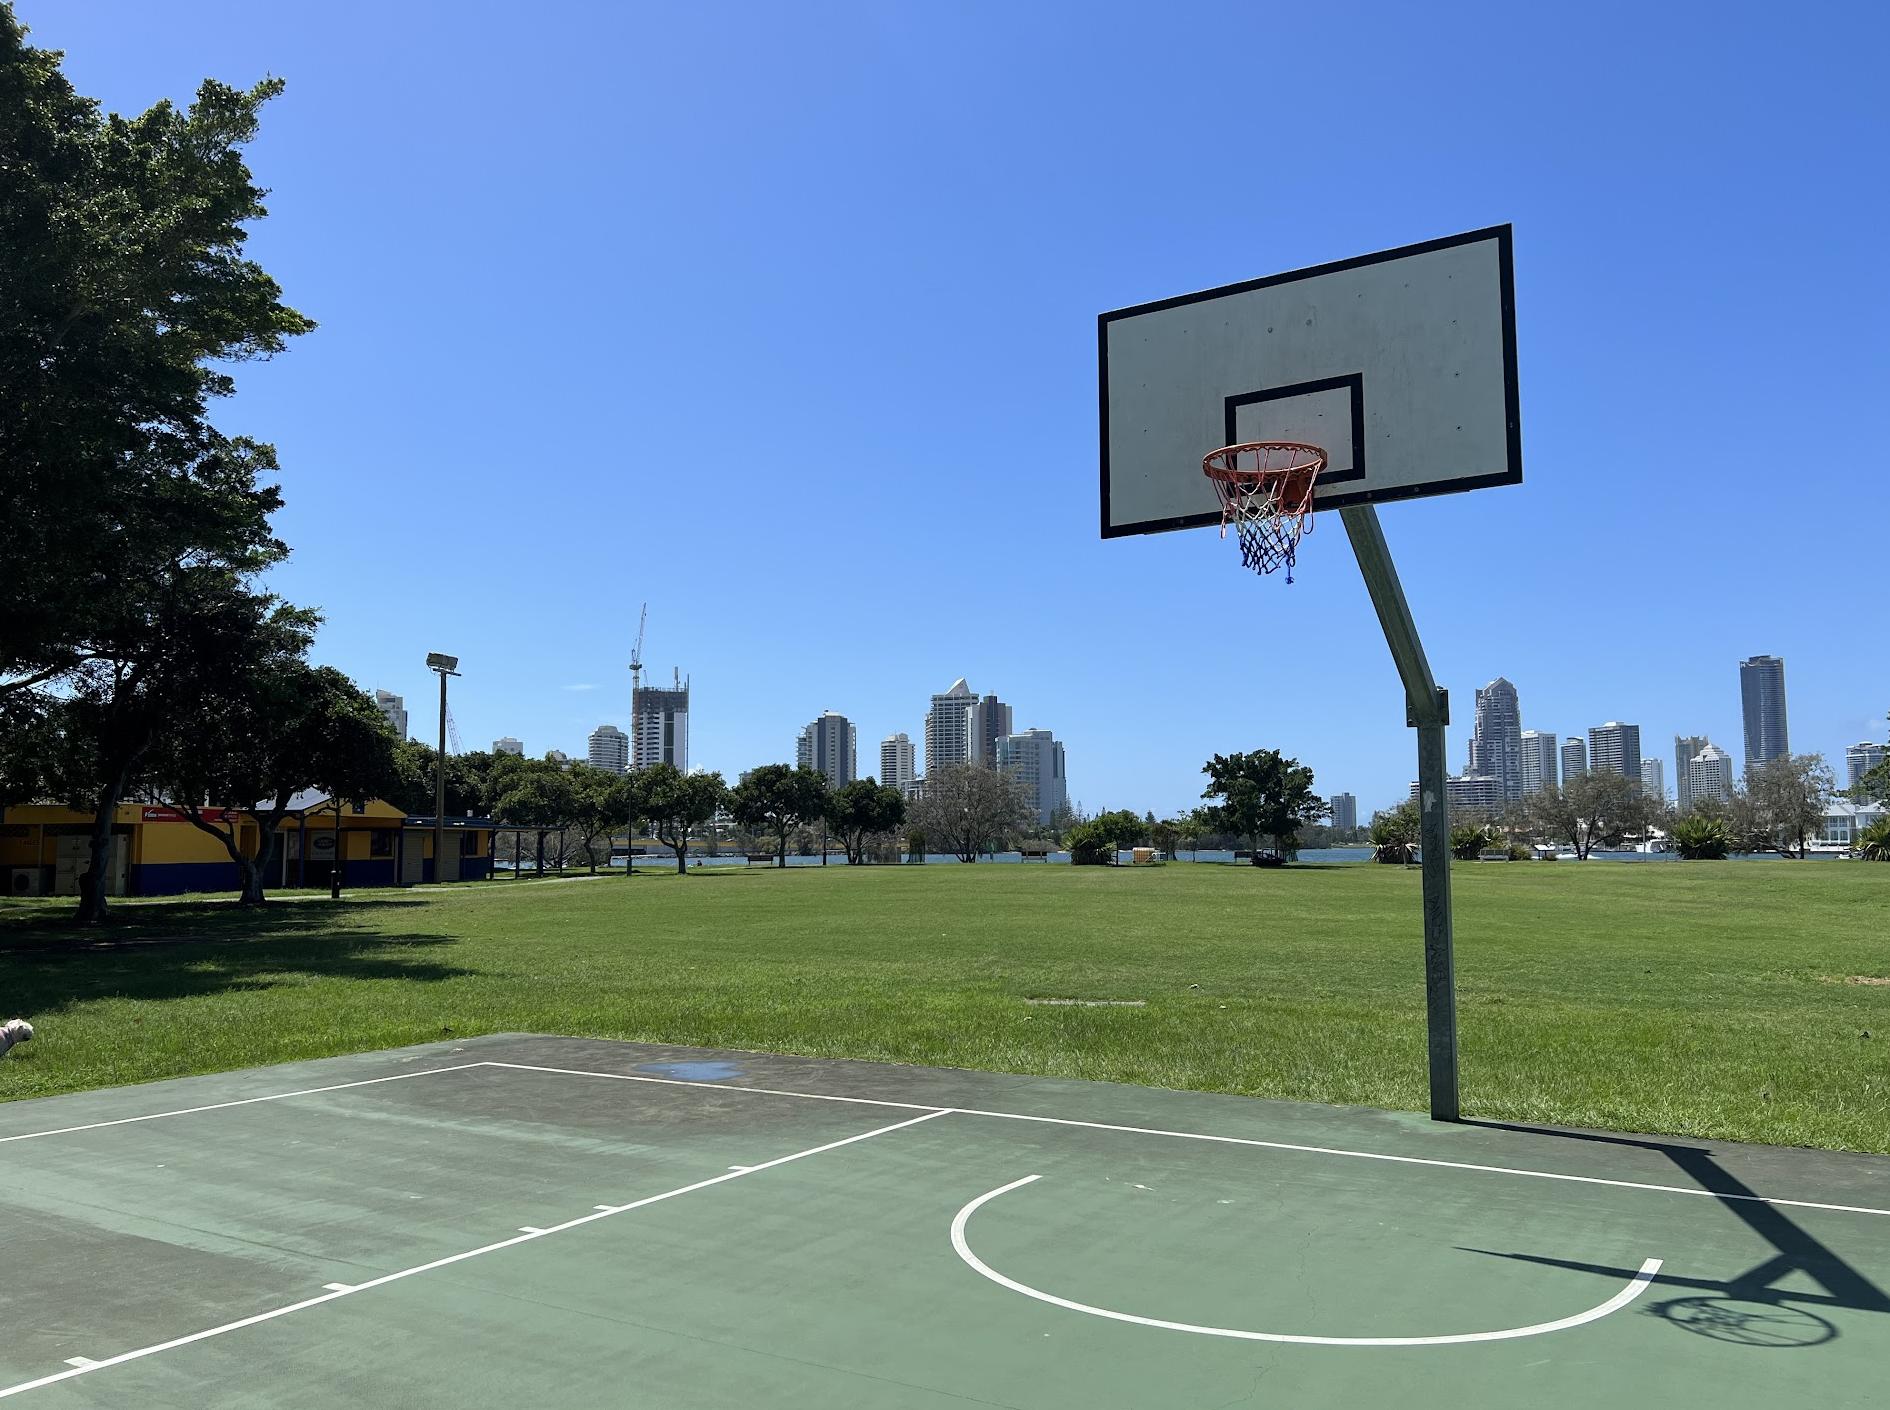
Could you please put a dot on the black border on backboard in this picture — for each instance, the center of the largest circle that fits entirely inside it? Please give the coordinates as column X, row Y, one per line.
column 1506, row 266
column 1353, row 382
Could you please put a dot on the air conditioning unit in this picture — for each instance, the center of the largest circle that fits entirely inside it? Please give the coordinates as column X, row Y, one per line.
column 27, row 881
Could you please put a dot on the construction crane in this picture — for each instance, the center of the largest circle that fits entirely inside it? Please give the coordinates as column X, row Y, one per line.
column 452, row 732
column 636, row 652
column 636, row 678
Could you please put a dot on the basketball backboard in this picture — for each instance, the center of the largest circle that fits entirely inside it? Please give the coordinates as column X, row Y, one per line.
column 1401, row 365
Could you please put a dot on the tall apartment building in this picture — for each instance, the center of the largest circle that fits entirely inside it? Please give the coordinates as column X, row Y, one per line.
column 394, row 711
column 1685, row 748
column 990, row 722
column 1344, row 812
column 1035, row 759
column 1653, row 784
column 1710, row 776
column 949, row 728
column 895, row 762
column 1574, row 759
column 1861, row 758
column 609, row 749
column 1538, row 760
column 659, row 725
column 1762, row 693
column 830, row 746
column 1616, row 748
column 1469, row 795
column 1496, row 741
column 506, row 744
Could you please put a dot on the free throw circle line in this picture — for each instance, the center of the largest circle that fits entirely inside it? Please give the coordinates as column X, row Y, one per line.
column 1635, row 1287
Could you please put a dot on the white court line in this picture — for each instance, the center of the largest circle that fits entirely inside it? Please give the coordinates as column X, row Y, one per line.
column 1005, row 1116
column 246, row 1101
column 349, row 1291
column 717, row 1086
column 1222, row 1140
column 1635, row 1287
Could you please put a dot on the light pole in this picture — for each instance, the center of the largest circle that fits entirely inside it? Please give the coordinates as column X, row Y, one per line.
column 445, row 666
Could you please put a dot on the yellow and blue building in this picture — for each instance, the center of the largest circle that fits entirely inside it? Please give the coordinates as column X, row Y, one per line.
column 157, row 851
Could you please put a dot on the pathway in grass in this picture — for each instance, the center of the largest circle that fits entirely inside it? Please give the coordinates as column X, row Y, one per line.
column 1705, row 999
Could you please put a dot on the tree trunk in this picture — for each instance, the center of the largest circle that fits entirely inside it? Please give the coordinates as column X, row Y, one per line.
column 250, row 869
column 265, row 850
column 682, row 857
column 92, row 889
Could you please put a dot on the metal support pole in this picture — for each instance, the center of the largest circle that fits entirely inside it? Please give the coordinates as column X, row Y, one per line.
column 439, row 791
column 1427, row 711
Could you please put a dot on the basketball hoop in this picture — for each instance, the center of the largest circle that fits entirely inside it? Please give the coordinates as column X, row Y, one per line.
column 1266, row 493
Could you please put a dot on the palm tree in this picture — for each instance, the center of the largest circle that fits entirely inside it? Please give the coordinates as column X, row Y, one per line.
column 1873, row 843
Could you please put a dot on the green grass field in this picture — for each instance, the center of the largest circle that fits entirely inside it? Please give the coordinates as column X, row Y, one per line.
column 1709, row 999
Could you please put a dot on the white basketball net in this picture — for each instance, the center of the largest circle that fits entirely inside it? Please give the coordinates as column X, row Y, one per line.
column 1266, row 494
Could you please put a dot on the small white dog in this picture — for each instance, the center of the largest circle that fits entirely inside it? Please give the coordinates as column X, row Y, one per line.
column 13, row 1032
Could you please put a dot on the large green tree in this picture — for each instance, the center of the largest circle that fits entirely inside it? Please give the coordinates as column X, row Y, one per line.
column 774, row 798
column 1590, row 810
column 134, row 527
column 119, row 711
column 1263, row 794
column 262, row 730
column 861, row 808
column 126, row 297
column 676, row 804
column 1789, row 797
column 588, row 803
column 475, row 781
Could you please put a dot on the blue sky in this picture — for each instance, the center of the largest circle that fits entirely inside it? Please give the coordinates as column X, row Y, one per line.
column 783, row 320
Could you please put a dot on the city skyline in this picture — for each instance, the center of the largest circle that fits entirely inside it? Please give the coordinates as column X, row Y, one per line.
column 970, row 719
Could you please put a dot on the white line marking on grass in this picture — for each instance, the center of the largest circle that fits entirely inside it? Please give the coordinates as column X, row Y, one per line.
column 334, row 1295
column 246, row 1101
column 339, row 1287
column 80, row 1361
column 1221, row 1140
column 529, row 1229
column 1635, row 1287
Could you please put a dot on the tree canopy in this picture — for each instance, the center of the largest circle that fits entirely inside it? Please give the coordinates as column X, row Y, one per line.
column 862, row 808
column 1263, row 794
column 675, row 804
column 259, row 732
column 773, row 798
column 1594, row 809
column 135, row 528
column 968, row 809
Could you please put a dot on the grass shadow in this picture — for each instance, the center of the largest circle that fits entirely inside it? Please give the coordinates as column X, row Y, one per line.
column 198, row 948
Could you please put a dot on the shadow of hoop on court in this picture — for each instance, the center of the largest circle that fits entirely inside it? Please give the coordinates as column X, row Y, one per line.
column 1750, row 1308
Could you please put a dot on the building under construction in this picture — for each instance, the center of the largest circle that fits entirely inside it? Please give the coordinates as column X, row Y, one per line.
column 659, row 725
column 659, row 718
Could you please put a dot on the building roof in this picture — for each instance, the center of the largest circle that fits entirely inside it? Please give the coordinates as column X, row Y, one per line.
column 310, row 799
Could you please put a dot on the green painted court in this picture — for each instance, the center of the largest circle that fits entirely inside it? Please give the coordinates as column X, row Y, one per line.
column 547, row 1221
